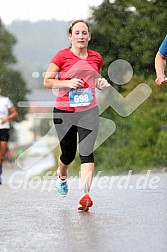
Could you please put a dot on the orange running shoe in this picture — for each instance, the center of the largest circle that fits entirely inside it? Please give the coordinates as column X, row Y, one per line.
column 85, row 202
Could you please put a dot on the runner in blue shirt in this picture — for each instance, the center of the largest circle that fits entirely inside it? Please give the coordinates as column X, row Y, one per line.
column 160, row 63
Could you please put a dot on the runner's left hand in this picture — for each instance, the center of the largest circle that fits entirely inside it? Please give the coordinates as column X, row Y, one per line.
column 102, row 83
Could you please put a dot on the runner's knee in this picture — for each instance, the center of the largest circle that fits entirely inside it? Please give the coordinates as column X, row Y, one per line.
column 67, row 159
column 87, row 159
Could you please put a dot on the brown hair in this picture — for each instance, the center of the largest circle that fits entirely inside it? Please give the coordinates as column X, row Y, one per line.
column 75, row 22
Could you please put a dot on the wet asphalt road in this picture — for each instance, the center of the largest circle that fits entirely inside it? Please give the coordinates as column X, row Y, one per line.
column 130, row 219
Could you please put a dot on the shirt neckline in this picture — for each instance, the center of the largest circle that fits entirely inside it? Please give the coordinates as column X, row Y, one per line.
column 78, row 56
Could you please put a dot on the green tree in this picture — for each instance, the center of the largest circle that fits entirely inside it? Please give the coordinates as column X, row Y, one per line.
column 131, row 30
column 11, row 80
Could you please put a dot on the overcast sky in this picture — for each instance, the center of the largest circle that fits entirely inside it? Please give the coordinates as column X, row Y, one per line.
column 35, row 10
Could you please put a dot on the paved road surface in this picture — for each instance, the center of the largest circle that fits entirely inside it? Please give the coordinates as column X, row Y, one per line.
column 121, row 220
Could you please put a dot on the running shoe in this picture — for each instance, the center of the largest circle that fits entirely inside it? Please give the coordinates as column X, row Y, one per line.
column 61, row 187
column 85, row 203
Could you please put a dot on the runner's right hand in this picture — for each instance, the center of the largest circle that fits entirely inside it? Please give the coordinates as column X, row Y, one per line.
column 161, row 80
column 75, row 83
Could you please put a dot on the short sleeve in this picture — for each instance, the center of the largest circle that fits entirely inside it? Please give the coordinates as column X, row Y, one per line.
column 97, row 59
column 57, row 59
column 9, row 103
column 163, row 47
column 100, row 63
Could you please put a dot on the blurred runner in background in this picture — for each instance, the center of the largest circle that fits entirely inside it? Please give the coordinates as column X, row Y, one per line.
column 7, row 113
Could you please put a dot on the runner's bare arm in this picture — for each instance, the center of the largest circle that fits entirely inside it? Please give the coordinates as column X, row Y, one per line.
column 50, row 81
column 160, row 64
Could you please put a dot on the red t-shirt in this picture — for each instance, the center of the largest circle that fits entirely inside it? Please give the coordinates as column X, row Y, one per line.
column 71, row 67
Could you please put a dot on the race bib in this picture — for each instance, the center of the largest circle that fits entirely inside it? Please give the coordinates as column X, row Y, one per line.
column 80, row 97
